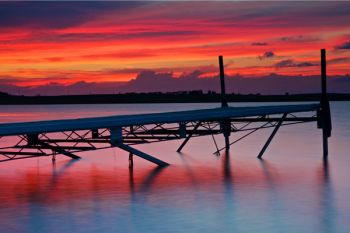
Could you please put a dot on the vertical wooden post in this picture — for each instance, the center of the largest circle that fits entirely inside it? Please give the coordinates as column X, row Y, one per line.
column 326, row 122
column 323, row 77
column 116, row 136
column 227, row 141
column 325, row 146
column 32, row 139
column 222, row 82
column 131, row 160
column 182, row 129
column 94, row 133
column 225, row 124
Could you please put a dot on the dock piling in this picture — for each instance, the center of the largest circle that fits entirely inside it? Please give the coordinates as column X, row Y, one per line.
column 325, row 114
column 225, row 125
column 131, row 160
column 222, row 82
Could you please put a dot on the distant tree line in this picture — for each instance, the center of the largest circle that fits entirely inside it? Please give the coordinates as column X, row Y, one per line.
column 195, row 96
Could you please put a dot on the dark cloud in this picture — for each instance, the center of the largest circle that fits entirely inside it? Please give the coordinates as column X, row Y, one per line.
column 152, row 81
column 268, row 54
column 288, row 14
column 105, row 36
column 345, row 45
column 259, row 44
column 292, row 63
column 53, row 88
column 117, row 35
column 339, row 60
column 12, row 80
column 55, row 14
column 299, row 38
column 285, row 63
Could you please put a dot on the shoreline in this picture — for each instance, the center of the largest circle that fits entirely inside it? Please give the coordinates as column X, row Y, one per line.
column 148, row 98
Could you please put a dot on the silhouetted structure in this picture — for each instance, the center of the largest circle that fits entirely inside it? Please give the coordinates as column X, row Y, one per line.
column 67, row 137
column 169, row 97
column 325, row 115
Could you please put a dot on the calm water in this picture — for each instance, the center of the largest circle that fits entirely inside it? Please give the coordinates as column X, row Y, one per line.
column 291, row 190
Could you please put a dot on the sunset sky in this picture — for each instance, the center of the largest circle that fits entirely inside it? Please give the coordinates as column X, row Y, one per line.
column 102, row 42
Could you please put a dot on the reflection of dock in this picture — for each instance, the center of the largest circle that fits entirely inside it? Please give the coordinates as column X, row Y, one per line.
column 67, row 137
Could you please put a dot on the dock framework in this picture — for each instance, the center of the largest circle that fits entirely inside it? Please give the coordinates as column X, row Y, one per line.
column 68, row 137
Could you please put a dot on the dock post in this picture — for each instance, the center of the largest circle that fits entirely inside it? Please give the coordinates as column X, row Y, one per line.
column 225, row 124
column 116, row 136
column 227, row 141
column 94, row 133
column 325, row 146
column 182, row 129
column 222, row 82
column 131, row 160
column 325, row 121
column 226, row 130
column 32, row 139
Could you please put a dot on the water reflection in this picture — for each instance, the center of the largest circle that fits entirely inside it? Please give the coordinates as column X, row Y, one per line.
column 326, row 201
column 238, row 191
column 268, row 172
column 289, row 191
column 147, row 182
column 186, row 161
column 56, row 174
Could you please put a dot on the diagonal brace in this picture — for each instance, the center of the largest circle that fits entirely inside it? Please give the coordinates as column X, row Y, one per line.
column 142, row 155
column 188, row 137
column 59, row 150
column 278, row 125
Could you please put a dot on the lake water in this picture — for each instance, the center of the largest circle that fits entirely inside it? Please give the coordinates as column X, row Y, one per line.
column 291, row 190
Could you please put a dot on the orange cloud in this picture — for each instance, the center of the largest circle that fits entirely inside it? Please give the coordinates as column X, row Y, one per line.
column 70, row 42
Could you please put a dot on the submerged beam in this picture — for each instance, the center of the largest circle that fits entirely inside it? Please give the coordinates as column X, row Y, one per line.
column 271, row 136
column 143, row 155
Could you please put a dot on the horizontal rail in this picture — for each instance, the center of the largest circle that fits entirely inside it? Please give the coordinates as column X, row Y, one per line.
column 291, row 119
column 153, row 118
